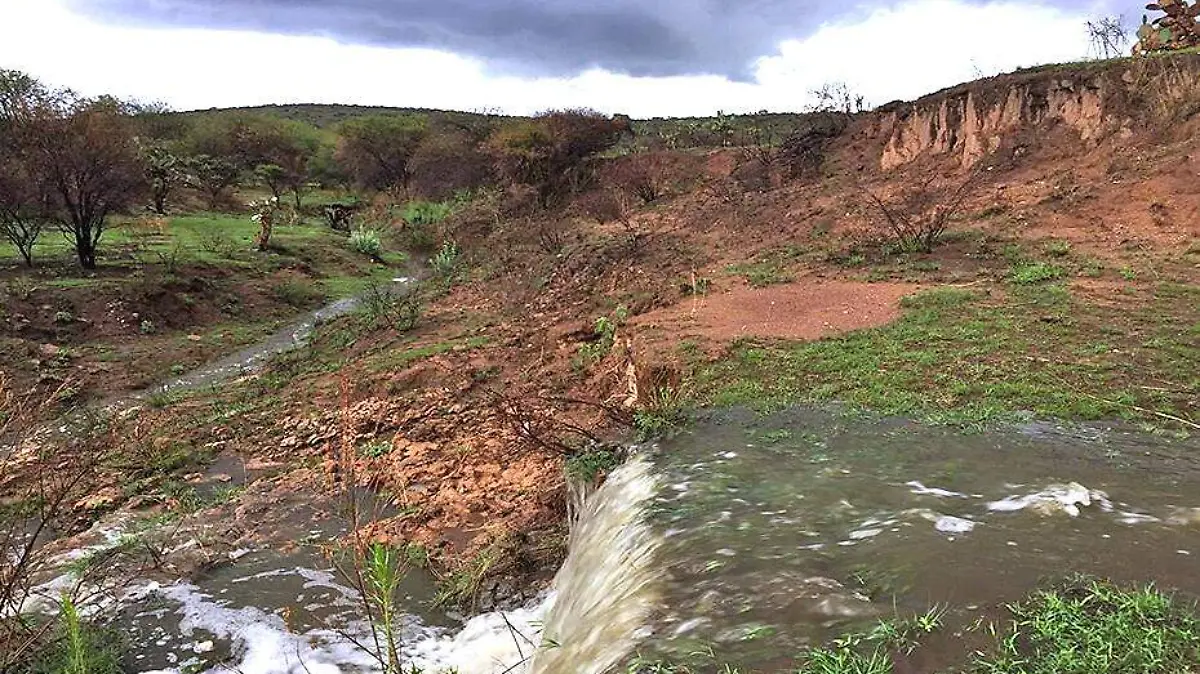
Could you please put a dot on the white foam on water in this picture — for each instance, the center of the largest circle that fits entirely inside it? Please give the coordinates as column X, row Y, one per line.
column 492, row 643
column 608, row 588
column 1055, row 498
column 921, row 489
column 1125, row 517
column 953, row 525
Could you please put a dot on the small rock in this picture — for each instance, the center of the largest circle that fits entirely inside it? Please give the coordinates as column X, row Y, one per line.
column 50, row 350
column 196, row 338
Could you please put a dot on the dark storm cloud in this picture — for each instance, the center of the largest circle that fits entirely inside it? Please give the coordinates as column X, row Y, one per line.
column 529, row 37
column 552, row 37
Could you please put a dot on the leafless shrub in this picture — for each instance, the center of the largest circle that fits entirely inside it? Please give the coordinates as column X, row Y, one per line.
column 1107, row 37
column 607, row 206
column 40, row 490
column 916, row 218
column 802, row 153
column 836, row 97
column 725, row 190
column 643, row 178
column 552, row 236
column 756, row 170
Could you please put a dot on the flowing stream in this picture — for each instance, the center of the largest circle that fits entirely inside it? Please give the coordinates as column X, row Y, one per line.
column 254, row 357
column 753, row 536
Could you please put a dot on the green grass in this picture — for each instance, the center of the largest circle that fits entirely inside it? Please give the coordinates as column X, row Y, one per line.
column 1087, row 626
column 769, row 268
column 1081, row 626
column 1035, row 272
column 588, row 466
column 954, row 357
column 398, row 359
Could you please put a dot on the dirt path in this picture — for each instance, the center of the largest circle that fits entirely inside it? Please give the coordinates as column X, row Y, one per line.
column 800, row 310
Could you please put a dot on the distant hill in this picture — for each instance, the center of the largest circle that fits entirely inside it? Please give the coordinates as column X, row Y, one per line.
column 768, row 125
column 325, row 116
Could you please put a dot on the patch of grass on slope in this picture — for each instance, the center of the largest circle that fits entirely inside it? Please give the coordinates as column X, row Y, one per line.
column 957, row 357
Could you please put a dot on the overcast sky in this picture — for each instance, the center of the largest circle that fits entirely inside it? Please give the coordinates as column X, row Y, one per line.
column 642, row 57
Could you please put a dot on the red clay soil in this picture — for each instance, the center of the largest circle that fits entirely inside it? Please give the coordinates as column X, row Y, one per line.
column 802, row 310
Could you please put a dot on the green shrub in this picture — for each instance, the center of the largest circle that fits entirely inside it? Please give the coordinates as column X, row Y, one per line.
column 419, row 213
column 296, row 293
column 366, row 241
column 589, row 465
column 387, row 305
column 1036, row 272
column 445, row 262
column 605, row 331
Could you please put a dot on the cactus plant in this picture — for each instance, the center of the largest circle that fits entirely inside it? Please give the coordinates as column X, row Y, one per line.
column 1177, row 29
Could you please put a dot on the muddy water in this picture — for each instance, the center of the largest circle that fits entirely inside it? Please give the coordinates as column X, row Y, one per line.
column 750, row 536
column 782, row 531
column 267, row 612
column 254, row 357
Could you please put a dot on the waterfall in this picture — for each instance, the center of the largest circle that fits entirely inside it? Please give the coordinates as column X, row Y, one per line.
column 598, row 609
column 605, row 592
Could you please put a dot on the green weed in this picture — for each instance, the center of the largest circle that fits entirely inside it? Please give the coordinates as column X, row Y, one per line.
column 589, row 465
column 366, row 242
column 605, row 336
column 297, row 293
column 1036, row 272
column 1057, row 248
column 1087, row 626
column 376, row 450
column 446, row 262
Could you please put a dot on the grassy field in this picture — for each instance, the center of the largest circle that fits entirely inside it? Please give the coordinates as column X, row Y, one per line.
column 171, row 293
column 959, row 356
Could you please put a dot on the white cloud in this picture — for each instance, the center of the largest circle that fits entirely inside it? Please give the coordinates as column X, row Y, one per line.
column 888, row 54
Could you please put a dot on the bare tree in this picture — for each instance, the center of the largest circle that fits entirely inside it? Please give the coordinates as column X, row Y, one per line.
column 1107, row 37
column 23, row 199
column 24, row 207
column 86, row 153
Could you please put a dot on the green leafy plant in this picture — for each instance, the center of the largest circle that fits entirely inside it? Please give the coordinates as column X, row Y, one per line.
column 589, row 465
column 376, row 450
column 1036, row 272
column 366, row 242
column 605, row 337
column 387, row 305
column 446, row 262
column 418, row 213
